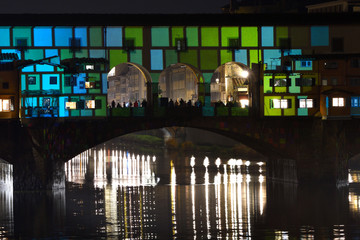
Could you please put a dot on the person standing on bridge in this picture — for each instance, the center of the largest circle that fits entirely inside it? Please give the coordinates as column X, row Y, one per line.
column 113, row 104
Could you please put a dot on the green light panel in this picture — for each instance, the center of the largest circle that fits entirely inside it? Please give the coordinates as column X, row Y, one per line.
column 116, row 57
column 135, row 33
column 281, row 33
column 228, row 33
column 22, row 33
column 160, row 36
column 96, row 36
column 154, row 79
column 225, row 56
column 293, row 88
column 267, row 87
column 95, row 77
column 290, row 111
column 249, row 37
column 65, row 54
column 65, row 89
column 192, row 36
column 209, row 59
column 171, row 57
column 210, row 36
column 136, row 56
column 190, row 57
column 5, row 36
column 83, row 53
column 255, row 56
column 176, row 32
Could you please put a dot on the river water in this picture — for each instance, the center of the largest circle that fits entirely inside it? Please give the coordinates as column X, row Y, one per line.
column 114, row 192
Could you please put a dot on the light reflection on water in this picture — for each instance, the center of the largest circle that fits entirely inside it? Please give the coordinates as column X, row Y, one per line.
column 119, row 194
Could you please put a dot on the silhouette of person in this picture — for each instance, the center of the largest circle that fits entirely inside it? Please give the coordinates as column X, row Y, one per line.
column 113, row 104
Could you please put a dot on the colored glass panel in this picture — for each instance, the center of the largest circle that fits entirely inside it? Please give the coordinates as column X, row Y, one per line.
column 156, row 59
column 210, row 36
column 255, row 56
column 96, row 39
column 104, row 82
column 207, row 77
column 281, row 33
column 208, row 59
column 228, row 33
column 42, row 36
column 47, row 84
column 241, row 56
column 33, row 54
column 116, row 57
column 80, row 84
column 136, row 56
column 293, row 88
column 160, row 36
column 267, row 36
column 192, row 36
column 94, row 77
column 302, row 111
column 4, row 36
column 65, row 89
column 155, row 79
column 36, row 86
column 189, row 57
column 83, row 53
column 319, row 36
column 20, row 33
column 176, row 32
column 268, row 111
column 299, row 36
column 65, row 54
column 299, row 65
column 225, row 56
column 114, row 36
column 272, row 58
column 97, row 53
column 249, row 36
column 135, row 33
column 171, row 57
column 23, row 82
column 63, row 36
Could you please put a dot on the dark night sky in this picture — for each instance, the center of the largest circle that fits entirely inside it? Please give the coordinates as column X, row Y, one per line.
column 112, row 6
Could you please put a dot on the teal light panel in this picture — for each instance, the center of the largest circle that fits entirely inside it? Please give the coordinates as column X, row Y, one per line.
column 241, row 56
column 267, row 36
column 22, row 33
column 43, row 37
column 63, row 112
column 160, row 36
column 319, row 36
column 272, row 58
column 114, row 36
column 4, row 36
column 97, row 53
column 46, row 82
column 81, row 32
column 136, row 56
column 156, row 59
column 63, row 36
column 52, row 53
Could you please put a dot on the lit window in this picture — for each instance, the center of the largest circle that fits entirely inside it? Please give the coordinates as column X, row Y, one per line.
column 355, row 102
column 306, row 103
column 4, row 105
column 89, row 67
column 70, row 105
column 90, row 104
column 89, row 84
column 280, row 103
column 280, row 82
column 338, row 102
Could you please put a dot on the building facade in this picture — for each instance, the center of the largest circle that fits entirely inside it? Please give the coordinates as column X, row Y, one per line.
column 62, row 64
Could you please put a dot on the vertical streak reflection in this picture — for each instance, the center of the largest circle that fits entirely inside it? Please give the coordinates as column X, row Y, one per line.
column 173, row 198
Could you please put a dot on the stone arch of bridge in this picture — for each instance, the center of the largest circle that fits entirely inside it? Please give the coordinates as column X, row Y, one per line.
column 129, row 82
column 230, row 83
column 182, row 80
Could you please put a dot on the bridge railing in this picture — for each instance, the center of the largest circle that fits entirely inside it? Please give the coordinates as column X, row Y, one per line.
column 159, row 111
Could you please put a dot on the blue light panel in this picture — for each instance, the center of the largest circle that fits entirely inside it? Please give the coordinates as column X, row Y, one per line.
column 319, row 36
column 272, row 58
column 81, row 32
column 156, row 59
column 42, row 37
column 241, row 56
column 5, row 36
column 114, row 36
column 80, row 85
column 267, row 36
column 63, row 112
column 63, row 36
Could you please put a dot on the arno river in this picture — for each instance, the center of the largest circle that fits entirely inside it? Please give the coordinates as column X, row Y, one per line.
column 113, row 192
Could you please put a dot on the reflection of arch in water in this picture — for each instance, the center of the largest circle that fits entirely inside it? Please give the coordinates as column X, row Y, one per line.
column 230, row 83
column 181, row 81
column 129, row 82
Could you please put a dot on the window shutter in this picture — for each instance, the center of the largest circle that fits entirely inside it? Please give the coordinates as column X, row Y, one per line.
column 313, row 81
column 297, row 81
column 98, row 104
column 289, row 103
column 288, row 82
column 80, row 104
column 297, row 103
column 271, row 82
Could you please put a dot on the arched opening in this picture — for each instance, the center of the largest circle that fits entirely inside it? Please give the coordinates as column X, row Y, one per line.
column 128, row 83
column 230, row 84
column 181, row 81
